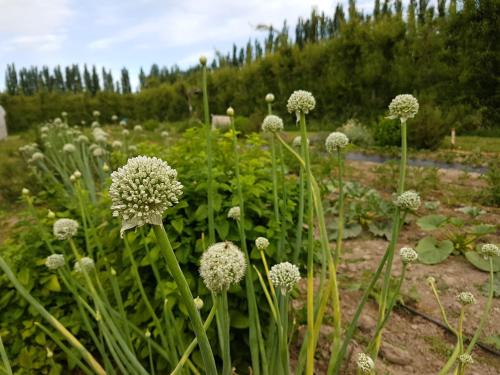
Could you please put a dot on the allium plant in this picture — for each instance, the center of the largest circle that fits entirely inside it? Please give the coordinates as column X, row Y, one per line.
column 221, row 266
column 141, row 192
column 257, row 350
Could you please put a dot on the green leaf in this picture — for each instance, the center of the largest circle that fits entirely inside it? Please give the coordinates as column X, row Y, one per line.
column 178, row 225
column 479, row 262
column 431, row 222
column 24, row 276
column 482, row 229
column 432, row 251
column 201, row 213
column 222, row 228
column 53, row 284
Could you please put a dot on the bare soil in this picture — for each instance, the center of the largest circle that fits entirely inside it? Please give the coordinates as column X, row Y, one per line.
column 413, row 344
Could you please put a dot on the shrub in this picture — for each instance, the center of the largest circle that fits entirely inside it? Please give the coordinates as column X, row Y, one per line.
column 428, row 129
column 151, row 124
column 387, row 132
column 357, row 133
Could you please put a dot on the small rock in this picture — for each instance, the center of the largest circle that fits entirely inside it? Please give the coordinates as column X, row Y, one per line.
column 395, row 355
column 366, row 323
column 414, row 326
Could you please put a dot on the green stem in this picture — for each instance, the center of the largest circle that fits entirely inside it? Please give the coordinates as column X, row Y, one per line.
column 208, row 131
column 486, row 311
column 255, row 334
column 193, row 343
column 53, row 321
column 310, row 250
column 5, row 359
column 300, row 219
column 284, row 208
column 275, row 185
column 283, row 307
column 187, row 298
column 340, row 229
column 223, row 328
column 443, row 312
column 394, row 238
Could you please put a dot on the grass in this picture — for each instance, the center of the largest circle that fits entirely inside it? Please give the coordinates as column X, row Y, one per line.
column 474, row 143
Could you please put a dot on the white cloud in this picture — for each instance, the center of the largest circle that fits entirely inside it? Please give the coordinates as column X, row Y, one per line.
column 33, row 16
column 41, row 43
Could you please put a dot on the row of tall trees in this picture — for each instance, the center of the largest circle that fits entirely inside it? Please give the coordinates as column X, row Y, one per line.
column 447, row 55
column 29, row 81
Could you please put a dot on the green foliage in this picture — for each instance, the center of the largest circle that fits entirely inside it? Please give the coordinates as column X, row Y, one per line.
column 186, row 225
column 428, row 129
column 460, row 238
column 357, row 133
column 491, row 195
column 151, row 124
column 387, row 132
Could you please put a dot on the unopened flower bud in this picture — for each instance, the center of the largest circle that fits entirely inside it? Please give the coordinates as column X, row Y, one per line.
column 230, row 111
column 203, row 60
column 198, row 302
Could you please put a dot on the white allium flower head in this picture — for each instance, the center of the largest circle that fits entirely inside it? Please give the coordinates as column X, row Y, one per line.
column 57, row 121
column 64, row 114
column 125, row 132
column 64, row 229
column 365, row 363
column 142, row 190
column 94, row 125
column 284, row 276
column 98, row 151
column 77, row 174
column 403, row 107
column 488, row 250
column 270, row 98
column 116, row 144
column 123, row 123
column 301, row 101
column 234, row 213
column 138, row 128
column 221, row 265
column 466, row 359
column 44, row 129
column 85, row 264
column 132, row 148
column 114, row 118
column 466, row 298
column 54, row 261
column 37, row 156
column 164, row 134
column 262, row 243
column 409, row 200
column 69, row 148
column 25, row 191
column 408, row 255
column 96, row 113
column 297, row 141
column 272, row 124
column 82, row 139
column 336, row 141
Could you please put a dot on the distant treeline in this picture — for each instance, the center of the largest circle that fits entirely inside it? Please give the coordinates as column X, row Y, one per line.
column 447, row 56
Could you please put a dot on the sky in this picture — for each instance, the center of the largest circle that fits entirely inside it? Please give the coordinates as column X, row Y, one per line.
column 135, row 33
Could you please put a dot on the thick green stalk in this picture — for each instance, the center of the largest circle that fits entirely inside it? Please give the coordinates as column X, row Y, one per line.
column 284, row 353
column 284, row 208
column 486, row 311
column 5, row 359
column 223, row 329
column 255, row 334
column 387, row 275
column 300, row 219
column 208, row 131
column 53, row 321
column 340, row 229
column 275, row 183
column 310, row 250
column 187, row 298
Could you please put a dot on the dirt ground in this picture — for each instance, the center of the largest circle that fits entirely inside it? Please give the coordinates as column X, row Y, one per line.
column 413, row 344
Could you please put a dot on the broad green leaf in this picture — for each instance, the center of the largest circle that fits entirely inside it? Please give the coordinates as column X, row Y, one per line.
column 479, row 262
column 178, row 225
column 482, row 229
column 432, row 251
column 53, row 284
column 431, row 222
